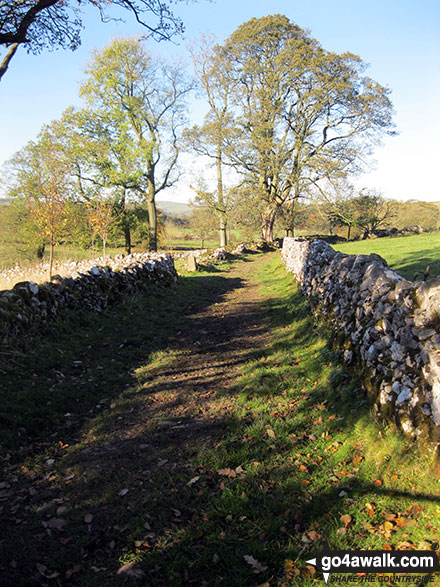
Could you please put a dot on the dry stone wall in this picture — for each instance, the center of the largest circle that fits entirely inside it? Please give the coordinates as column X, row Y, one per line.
column 386, row 326
column 92, row 289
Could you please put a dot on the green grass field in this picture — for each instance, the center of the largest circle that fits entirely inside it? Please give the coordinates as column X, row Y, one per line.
column 406, row 254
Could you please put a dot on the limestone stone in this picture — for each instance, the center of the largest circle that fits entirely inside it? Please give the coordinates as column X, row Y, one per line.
column 191, row 263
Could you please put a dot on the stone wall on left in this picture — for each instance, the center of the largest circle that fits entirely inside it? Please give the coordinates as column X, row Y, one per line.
column 92, row 290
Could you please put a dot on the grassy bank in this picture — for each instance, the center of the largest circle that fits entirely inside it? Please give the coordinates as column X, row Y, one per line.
column 406, row 254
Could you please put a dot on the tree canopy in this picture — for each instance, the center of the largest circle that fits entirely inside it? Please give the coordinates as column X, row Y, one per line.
column 300, row 113
column 39, row 24
column 141, row 101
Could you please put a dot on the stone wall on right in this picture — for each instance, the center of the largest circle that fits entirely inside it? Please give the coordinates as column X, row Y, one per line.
column 388, row 329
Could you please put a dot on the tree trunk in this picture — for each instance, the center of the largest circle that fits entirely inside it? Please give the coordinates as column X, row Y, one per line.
column 220, row 197
column 127, row 235
column 40, row 251
column 151, row 206
column 267, row 222
column 125, row 223
column 152, row 221
column 51, row 259
column 348, row 232
column 223, row 230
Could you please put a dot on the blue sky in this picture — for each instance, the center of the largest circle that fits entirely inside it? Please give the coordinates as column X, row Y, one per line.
column 400, row 39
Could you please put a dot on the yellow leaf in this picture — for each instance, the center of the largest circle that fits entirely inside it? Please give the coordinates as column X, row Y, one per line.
column 227, row 472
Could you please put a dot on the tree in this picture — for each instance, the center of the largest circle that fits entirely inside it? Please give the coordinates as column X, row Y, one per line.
column 372, row 211
column 37, row 24
column 246, row 211
column 301, row 113
column 101, row 216
column 202, row 221
column 209, row 139
column 337, row 202
column 417, row 213
column 104, row 157
column 292, row 216
column 143, row 98
column 42, row 181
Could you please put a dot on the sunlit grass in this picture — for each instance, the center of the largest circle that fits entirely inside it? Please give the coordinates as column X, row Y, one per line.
column 406, row 254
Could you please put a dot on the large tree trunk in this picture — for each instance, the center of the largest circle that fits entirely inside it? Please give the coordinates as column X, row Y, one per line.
column 220, row 197
column 152, row 222
column 223, row 230
column 267, row 222
column 127, row 236
column 125, row 224
column 152, row 212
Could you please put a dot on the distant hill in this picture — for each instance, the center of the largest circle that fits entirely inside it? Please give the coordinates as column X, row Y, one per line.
column 173, row 207
column 5, row 201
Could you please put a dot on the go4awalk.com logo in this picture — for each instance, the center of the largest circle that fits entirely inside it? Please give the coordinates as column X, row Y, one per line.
column 375, row 561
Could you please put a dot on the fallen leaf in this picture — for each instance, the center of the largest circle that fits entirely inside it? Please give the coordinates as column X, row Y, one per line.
column 227, row 472
column 256, row 566
column 72, row 571
column 192, row 481
column 41, row 569
column 270, row 433
column 342, row 531
column 308, row 571
column 378, row 483
column 123, row 492
column 342, row 473
column 55, row 524
column 346, row 520
column 131, row 570
column 314, row 536
column 405, row 522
